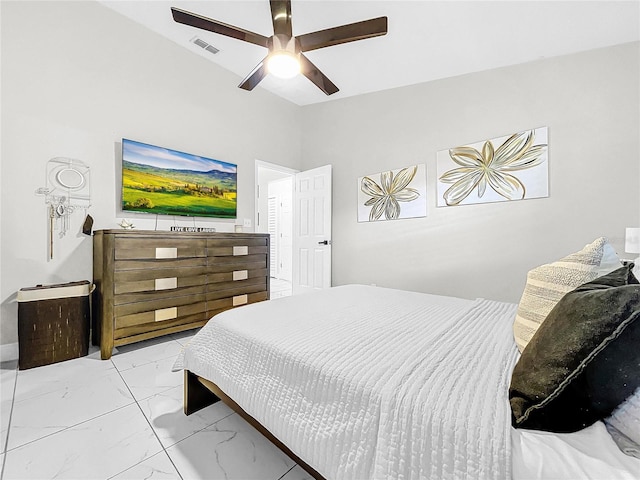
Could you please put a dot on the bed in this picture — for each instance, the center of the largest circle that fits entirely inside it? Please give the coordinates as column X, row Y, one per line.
column 361, row 382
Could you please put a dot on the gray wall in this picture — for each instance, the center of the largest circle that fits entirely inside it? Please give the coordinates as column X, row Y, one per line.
column 76, row 78
column 589, row 102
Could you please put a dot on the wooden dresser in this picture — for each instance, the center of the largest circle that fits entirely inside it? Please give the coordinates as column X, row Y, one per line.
column 151, row 283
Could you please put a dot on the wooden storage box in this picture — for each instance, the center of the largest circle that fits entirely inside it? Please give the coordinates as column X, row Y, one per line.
column 53, row 323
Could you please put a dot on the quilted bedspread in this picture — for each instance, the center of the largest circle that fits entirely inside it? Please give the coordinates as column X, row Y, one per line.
column 371, row 383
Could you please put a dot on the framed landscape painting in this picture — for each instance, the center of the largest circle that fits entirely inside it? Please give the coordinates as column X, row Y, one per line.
column 163, row 181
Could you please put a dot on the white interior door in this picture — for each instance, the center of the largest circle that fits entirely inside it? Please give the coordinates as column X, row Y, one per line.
column 312, row 230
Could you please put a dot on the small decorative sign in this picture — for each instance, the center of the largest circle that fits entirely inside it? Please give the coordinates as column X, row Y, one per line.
column 193, row 229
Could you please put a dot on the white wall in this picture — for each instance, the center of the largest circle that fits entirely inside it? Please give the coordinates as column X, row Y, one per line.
column 589, row 101
column 76, row 78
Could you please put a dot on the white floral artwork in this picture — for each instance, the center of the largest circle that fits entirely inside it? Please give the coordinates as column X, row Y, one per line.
column 393, row 194
column 512, row 167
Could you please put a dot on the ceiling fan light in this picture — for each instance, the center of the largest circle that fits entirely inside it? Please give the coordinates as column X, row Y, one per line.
column 283, row 65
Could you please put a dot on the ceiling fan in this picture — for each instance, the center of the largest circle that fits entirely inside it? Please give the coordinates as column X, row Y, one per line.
column 286, row 58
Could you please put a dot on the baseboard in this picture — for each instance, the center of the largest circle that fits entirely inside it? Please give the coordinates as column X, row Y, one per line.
column 8, row 352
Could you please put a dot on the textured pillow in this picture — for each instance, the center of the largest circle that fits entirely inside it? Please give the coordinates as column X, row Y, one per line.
column 584, row 359
column 547, row 284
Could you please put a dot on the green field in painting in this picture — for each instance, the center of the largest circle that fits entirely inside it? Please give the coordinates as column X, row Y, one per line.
column 151, row 190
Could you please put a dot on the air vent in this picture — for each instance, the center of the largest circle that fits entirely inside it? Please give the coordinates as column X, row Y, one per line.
column 202, row 44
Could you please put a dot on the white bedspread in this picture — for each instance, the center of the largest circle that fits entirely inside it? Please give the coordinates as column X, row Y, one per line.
column 371, row 383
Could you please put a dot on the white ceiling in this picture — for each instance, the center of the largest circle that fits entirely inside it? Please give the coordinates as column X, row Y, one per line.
column 427, row 40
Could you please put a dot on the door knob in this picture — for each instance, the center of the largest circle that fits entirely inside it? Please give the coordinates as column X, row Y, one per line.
column 324, row 242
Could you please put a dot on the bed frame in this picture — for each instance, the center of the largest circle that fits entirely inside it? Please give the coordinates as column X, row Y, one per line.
column 200, row 393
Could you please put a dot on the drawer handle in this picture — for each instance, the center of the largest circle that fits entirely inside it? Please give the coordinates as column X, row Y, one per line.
column 244, row 250
column 164, row 252
column 166, row 314
column 240, row 300
column 240, row 275
column 166, row 283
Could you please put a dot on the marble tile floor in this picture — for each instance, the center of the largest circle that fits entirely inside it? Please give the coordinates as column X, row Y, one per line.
column 122, row 419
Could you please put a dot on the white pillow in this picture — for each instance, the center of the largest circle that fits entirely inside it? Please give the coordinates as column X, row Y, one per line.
column 636, row 268
column 547, row 284
column 624, row 425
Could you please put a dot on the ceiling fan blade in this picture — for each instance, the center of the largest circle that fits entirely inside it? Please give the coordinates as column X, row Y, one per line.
column 204, row 23
column 281, row 14
column 343, row 34
column 256, row 75
column 312, row 72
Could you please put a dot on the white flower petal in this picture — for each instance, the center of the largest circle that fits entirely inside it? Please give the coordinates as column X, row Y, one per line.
column 392, row 211
column 466, row 156
column 533, row 157
column 386, row 180
column 378, row 209
column 403, row 178
column 452, row 176
column 371, row 188
column 407, row 195
column 487, row 153
column 462, row 188
column 507, row 185
column 513, row 148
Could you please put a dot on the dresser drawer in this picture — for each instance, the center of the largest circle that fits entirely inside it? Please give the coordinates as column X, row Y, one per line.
column 151, row 305
column 236, row 288
column 216, row 243
column 236, row 251
column 123, row 335
column 224, row 267
column 234, row 260
column 154, row 296
column 238, row 285
column 164, row 263
column 239, row 274
column 216, row 306
column 159, row 248
column 154, row 279
column 159, row 316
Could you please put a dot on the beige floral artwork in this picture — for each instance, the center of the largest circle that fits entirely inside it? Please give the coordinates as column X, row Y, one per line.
column 392, row 194
column 492, row 170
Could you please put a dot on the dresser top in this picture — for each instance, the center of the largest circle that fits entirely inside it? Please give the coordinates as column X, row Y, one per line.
column 165, row 233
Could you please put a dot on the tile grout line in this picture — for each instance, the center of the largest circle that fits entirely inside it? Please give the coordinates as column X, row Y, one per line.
column 202, row 429
column 7, row 449
column 150, row 426
column 6, row 440
column 287, row 472
column 67, row 427
column 153, row 430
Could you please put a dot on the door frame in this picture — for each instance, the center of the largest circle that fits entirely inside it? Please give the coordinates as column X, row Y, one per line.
column 260, row 164
column 269, row 166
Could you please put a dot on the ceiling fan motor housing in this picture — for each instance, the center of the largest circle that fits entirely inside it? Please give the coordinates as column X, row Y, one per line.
column 281, row 43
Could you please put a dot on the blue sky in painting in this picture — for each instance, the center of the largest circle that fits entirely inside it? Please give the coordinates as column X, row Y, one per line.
column 160, row 157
